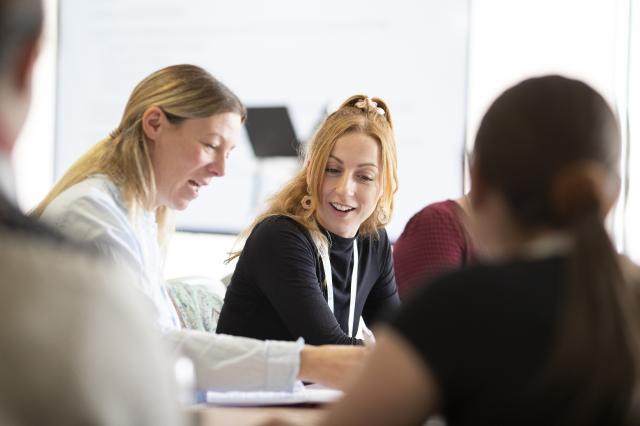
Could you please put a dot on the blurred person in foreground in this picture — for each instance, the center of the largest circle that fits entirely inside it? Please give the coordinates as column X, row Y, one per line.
column 76, row 348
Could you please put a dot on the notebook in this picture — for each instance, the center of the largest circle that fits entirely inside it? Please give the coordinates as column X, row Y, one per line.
column 312, row 394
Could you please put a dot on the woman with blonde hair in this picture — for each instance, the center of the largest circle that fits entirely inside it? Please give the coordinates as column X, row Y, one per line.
column 319, row 257
column 177, row 130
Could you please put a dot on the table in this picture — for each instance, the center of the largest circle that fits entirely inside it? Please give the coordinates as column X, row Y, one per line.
column 210, row 415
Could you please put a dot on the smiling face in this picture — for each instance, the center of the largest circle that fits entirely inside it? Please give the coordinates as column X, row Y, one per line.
column 187, row 155
column 350, row 188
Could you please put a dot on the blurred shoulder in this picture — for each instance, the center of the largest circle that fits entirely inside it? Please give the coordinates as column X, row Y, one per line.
column 13, row 221
column 33, row 267
column 69, row 321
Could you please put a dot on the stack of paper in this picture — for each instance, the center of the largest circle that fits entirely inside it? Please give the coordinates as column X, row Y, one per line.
column 313, row 394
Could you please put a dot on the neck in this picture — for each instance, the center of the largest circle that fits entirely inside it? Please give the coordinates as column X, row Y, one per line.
column 346, row 235
column 500, row 237
column 531, row 244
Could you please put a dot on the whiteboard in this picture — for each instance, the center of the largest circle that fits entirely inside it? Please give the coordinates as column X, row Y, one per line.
column 304, row 55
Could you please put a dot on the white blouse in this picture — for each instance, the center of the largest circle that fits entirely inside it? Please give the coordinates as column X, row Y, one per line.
column 94, row 211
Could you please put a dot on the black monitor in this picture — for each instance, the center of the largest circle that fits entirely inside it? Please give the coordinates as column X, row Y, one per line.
column 271, row 132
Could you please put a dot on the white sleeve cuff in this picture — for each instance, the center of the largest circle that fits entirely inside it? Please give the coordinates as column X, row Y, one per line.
column 225, row 363
column 283, row 364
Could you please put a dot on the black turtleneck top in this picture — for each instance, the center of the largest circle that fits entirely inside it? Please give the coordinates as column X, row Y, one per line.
column 276, row 290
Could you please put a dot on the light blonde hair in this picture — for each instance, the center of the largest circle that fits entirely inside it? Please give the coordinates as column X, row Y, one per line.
column 182, row 92
column 374, row 121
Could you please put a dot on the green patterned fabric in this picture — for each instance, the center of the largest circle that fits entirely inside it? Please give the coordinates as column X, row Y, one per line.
column 198, row 301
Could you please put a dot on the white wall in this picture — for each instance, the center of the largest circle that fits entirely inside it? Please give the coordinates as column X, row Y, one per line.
column 509, row 40
column 515, row 39
column 305, row 56
column 632, row 240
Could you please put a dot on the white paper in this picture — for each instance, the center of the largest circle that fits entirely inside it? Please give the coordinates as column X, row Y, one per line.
column 313, row 394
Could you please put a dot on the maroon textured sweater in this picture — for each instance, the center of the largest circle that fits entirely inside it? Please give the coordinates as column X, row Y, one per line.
column 433, row 241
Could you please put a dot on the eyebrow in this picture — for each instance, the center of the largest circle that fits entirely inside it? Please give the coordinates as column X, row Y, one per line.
column 359, row 165
column 221, row 137
column 214, row 134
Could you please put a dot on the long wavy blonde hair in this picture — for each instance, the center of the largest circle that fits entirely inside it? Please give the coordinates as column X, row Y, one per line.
column 370, row 117
column 182, row 92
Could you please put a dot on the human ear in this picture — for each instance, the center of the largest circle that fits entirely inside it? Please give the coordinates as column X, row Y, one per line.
column 153, row 121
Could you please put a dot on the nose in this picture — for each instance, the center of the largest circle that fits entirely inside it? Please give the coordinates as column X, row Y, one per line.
column 345, row 185
column 217, row 166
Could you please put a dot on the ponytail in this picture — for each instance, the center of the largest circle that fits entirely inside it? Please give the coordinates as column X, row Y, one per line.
column 593, row 372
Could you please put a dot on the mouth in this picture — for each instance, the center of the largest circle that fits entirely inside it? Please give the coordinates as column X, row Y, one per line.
column 196, row 184
column 342, row 208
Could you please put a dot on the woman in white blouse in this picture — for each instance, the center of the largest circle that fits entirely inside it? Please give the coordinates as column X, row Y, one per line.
column 177, row 130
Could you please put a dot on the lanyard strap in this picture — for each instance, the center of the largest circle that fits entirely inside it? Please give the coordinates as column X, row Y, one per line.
column 328, row 277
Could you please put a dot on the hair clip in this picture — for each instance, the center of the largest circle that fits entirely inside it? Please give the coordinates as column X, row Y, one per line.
column 366, row 104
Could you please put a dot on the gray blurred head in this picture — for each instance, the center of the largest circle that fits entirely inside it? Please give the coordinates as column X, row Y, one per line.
column 20, row 25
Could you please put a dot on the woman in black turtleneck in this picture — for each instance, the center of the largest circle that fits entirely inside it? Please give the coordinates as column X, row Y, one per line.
column 330, row 217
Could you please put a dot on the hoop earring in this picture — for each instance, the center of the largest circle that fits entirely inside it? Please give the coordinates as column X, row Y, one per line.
column 307, row 202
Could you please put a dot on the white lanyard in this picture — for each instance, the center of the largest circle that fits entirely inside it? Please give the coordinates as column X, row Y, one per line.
column 328, row 276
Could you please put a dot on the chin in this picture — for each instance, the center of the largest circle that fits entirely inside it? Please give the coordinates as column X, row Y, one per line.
column 179, row 205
